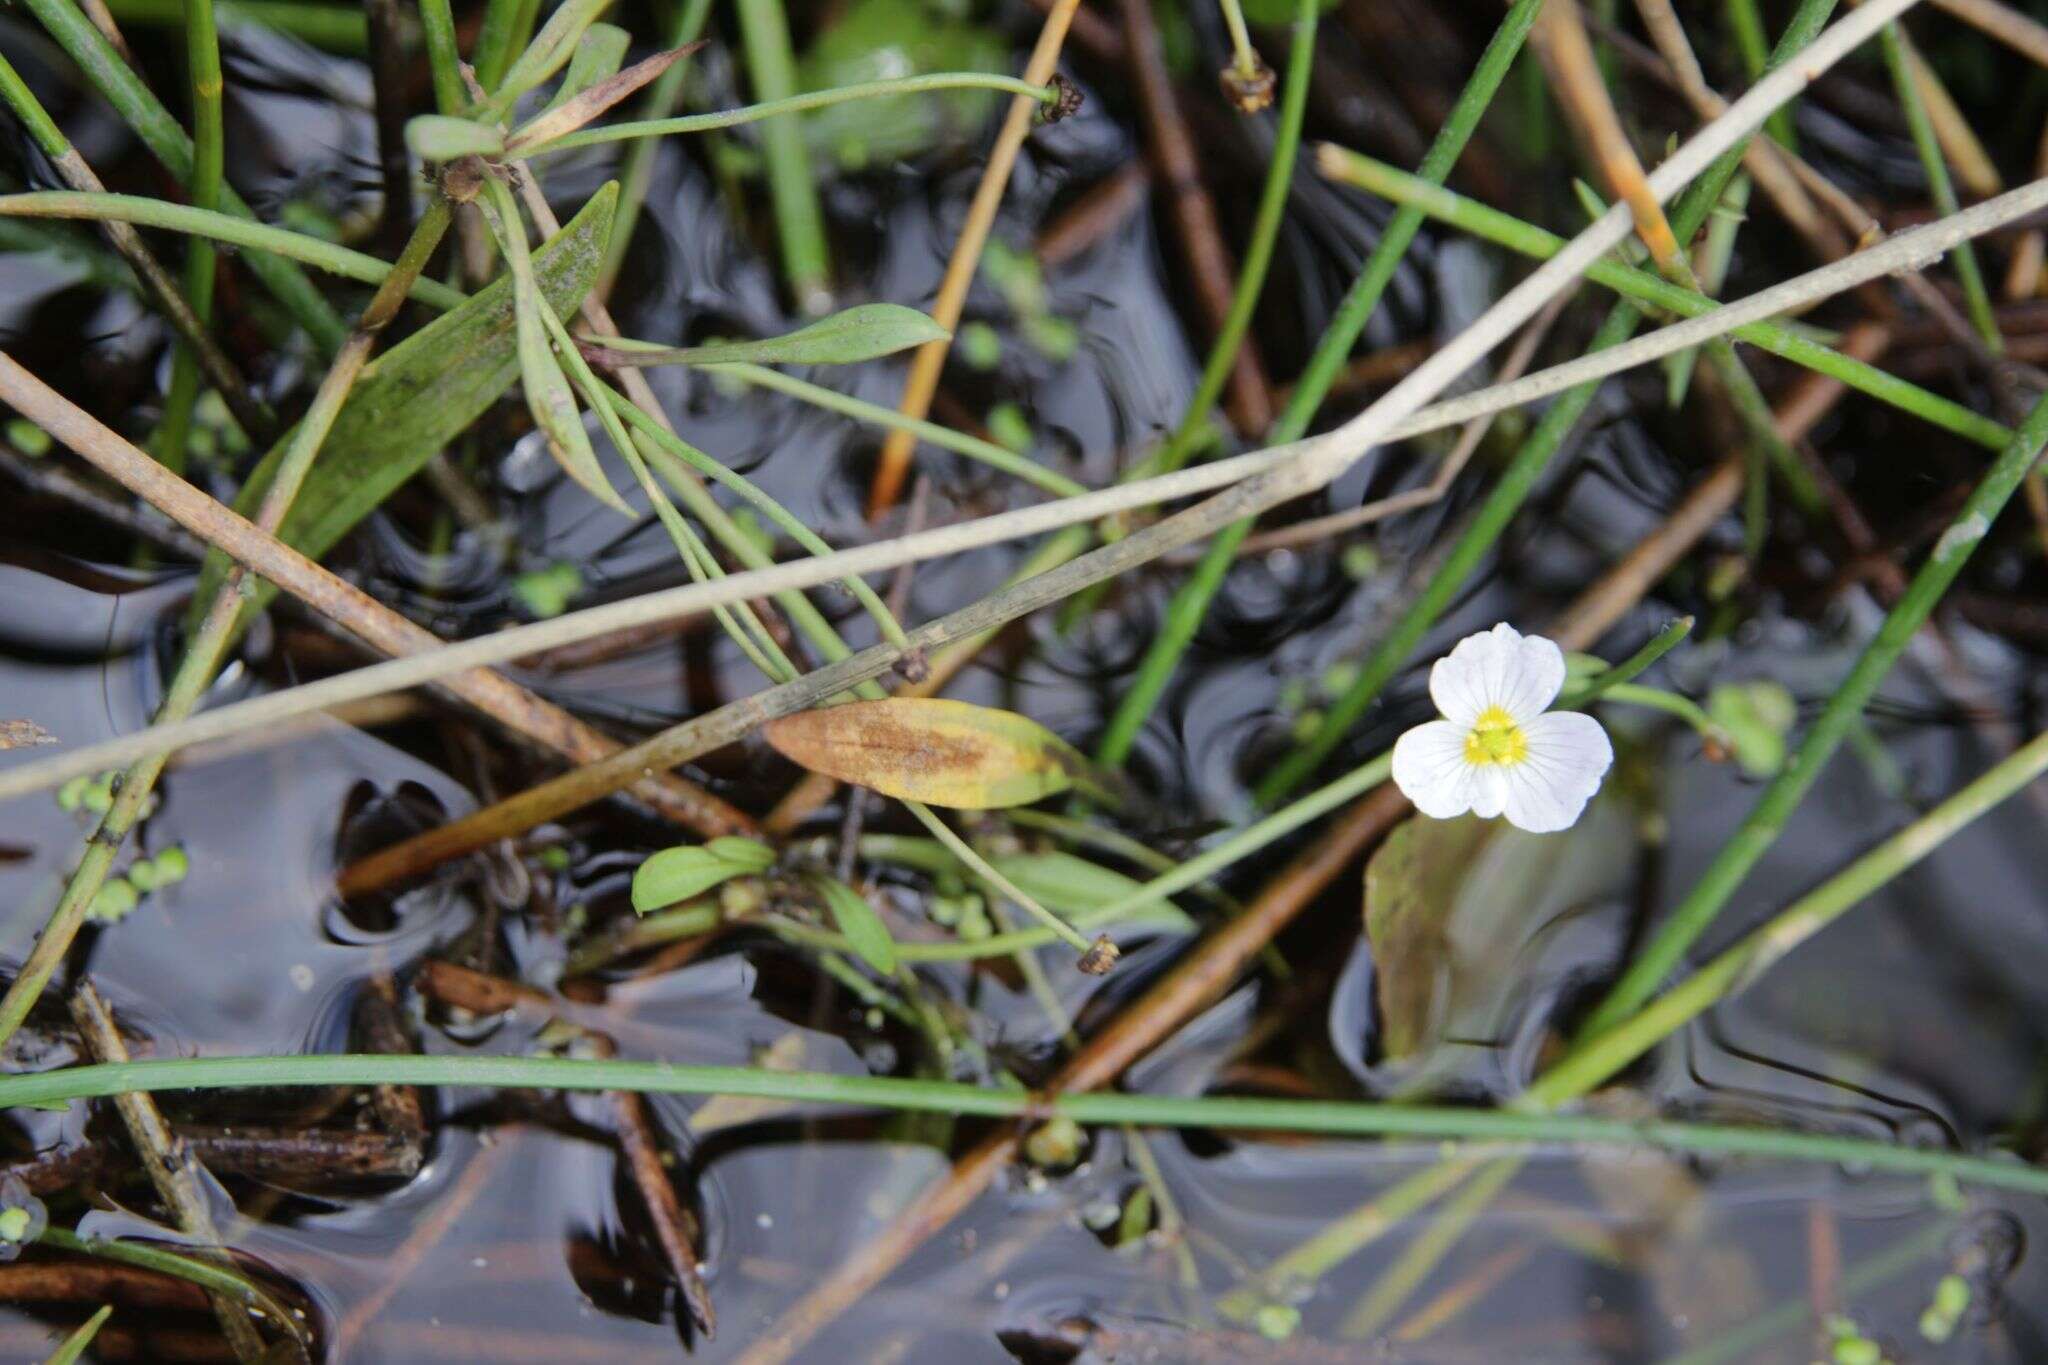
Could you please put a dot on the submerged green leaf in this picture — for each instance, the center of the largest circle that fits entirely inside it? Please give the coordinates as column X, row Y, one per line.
column 1074, row 888
column 857, row 920
column 1457, row 913
column 416, row 398
column 940, row 752
column 865, row 332
column 73, row 1346
column 683, row 873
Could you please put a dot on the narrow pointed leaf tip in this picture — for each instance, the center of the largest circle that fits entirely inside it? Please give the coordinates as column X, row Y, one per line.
column 688, row 871
column 865, row 332
column 857, row 920
column 943, row 753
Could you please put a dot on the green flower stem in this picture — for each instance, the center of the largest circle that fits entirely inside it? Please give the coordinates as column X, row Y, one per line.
column 337, row 28
column 1486, row 526
column 1844, row 708
column 1258, row 253
column 1191, row 603
column 221, row 227
column 216, row 632
column 1001, row 885
column 1746, row 23
column 1519, row 480
column 1242, row 54
column 799, row 222
column 1628, row 670
column 987, row 452
column 1605, row 1053
column 637, row 172
column 1940, row 185
column 788, row 105
column 1330, row 1117
column 121, row 87
column 503, row 33
column 1787, row 343
column 444, row 57
column 202, row 62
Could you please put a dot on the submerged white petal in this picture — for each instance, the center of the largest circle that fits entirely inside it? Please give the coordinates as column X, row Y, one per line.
column 1431, row 771
column 1567, row 758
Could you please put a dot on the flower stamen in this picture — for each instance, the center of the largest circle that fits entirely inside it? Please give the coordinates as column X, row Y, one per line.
column 1496, row 739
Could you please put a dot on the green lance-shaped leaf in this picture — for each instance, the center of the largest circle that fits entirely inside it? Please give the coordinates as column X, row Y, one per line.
column 862, row 333
column 857, row 920
column 599, row 54
column 1074, row 888
column 416, row 398
column 750, row 855
column 73, row 1347
column 689, row 870
column 548, row 395
column 437, row 137
column 550, row 49
column 943, row 753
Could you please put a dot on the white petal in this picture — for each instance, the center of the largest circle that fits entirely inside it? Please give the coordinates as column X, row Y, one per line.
column 1499, row 667
column 1490, row 791
column 1532, row 679
column 1461, row 684
column 1431, row 771
column 1568, row 756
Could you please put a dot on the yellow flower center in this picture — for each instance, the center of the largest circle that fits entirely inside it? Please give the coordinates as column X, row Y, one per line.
column 1495, row 739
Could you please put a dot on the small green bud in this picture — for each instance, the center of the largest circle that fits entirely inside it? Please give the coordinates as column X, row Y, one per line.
column 1012, row 430
column 1054, row 1143
column 172, row 866
column 980, row 345
column 72, row 794
column 113, row 902
column 14, row 1224
column 1952, row 1295
column 1277, row 1321
column 1857, row 1351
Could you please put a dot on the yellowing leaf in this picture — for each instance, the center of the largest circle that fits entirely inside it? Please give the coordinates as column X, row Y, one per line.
column 943, row 753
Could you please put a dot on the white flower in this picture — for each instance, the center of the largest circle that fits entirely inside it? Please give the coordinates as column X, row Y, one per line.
column 1497, row 751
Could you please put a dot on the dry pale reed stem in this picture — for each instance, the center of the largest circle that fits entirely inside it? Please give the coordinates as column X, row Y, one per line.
column 179, row 1179
column 362, row 615
column 923, row 380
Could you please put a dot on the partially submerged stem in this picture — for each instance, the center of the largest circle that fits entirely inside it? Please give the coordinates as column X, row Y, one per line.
column 1767, row 818
column 258, row 423
column 1940, row 186
column 799, row 221
column 123, row 88
column 1190, row 604
column 202, row 62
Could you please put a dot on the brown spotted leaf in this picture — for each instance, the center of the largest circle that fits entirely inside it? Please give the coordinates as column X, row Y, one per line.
column 943, row 753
